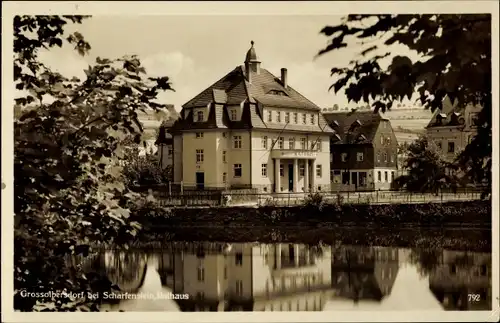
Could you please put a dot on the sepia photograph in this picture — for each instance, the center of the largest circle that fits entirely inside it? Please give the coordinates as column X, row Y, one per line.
column 307, row 163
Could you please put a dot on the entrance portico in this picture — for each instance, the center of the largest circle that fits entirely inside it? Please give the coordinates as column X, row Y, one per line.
column 287, row 164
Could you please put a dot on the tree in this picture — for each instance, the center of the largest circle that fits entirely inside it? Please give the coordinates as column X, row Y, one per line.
column 145, row 170
column 69, row 141
column 455, row 62
column 427, row 170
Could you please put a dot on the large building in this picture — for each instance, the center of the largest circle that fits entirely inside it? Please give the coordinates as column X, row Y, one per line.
column 453, row 127
column 363, row 151
column 251, row 129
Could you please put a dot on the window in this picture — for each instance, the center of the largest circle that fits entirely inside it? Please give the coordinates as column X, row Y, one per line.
column 359, row 157
column 237, row 170
column 388, row 141
column 233, row 114
column 237, row 142
column 318, row 171
column 282, row 170
column 224, row 134
column 199, row 155
column 393, row 174
column 385, row 157
column 199, row 116
column 291, row 143
column 278, row 116
column 287, row 117
column 199, row 135
column 224, row 178
column 304, row 118
column 302, row 169
column 343, row 157
column 264, row 170
column 281, row 143
column 239, row 287
column 319, row 145
column 474, row 120
column 238, row 259
column 378, row 157
column 381, row 140
column 264, row 142
column 295, row 117
column 269, row 116
column 200, row 295
column 451, row 147
column 379, row 176
column 392, row 158
column 386, row 176
column 312, row 118
column 224, row 156
column 201, row 273
column 303, row 143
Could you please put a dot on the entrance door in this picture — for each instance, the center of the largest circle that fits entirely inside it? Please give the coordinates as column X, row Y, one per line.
column 355, row 179
column 200, row 180
column 290, row 178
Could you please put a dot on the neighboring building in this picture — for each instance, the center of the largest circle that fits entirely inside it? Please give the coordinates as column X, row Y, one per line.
column 364, row 273
column 250, row 277
column 462, row 280
column 251, row 129
column 150, row 123
column 164, row 142
column 453, row 127
column 363, row 151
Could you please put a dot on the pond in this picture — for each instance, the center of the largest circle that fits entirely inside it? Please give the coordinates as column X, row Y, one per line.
column 283, row 276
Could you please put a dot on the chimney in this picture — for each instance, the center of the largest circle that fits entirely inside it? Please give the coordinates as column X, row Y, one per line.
column 284, row 77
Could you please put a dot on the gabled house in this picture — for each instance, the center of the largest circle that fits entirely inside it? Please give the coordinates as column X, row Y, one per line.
column 363, row 151
column 453, row 127
column 251, row 129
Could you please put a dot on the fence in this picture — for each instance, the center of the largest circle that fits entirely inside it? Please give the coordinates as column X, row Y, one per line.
column 247, row 196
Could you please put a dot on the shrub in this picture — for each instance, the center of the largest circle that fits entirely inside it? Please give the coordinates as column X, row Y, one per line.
column 314, row 200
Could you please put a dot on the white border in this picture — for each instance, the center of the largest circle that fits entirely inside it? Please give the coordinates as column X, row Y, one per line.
column 230, row 8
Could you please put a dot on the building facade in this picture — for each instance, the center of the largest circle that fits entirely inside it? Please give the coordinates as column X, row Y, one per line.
column 251, row 129
column 363, row 151
column 453, row 127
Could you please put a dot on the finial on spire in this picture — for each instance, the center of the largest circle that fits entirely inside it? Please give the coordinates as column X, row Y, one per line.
column 251, row 42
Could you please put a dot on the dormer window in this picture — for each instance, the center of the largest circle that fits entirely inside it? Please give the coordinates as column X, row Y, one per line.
column 277, row 92
column 304, row 118
column 336, row 138
column 269, row 116
column 335, row 123
column 361, row 137
column 232, row 114
column 312, row 118
column 278, row 116
column 295, row 117
column 287, row 117
column 199, row 116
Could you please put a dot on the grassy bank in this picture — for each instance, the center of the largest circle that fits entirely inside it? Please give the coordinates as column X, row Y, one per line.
column 473, row 214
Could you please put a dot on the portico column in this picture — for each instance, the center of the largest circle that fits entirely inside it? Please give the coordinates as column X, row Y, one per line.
column 295, row 175
column 277, row 183
column 306, row 175
column 307, row 254
column 313, row 175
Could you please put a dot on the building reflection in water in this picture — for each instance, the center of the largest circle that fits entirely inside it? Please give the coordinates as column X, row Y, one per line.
column 364, row 273
column 296, row 277
column 460, row 274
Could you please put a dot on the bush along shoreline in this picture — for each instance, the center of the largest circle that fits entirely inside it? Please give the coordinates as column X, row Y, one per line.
column 473, row 214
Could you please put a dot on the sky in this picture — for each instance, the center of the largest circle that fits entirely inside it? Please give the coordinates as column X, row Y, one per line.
column 196, row 51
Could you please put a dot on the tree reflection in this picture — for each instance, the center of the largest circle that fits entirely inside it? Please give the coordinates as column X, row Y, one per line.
column 426, row 260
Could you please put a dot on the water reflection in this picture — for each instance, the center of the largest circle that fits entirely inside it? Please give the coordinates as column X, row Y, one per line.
column 298, row 277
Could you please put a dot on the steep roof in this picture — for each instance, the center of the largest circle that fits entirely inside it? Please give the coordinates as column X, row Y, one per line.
column 234, row 88
column 352, row 127
column 451, row 114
